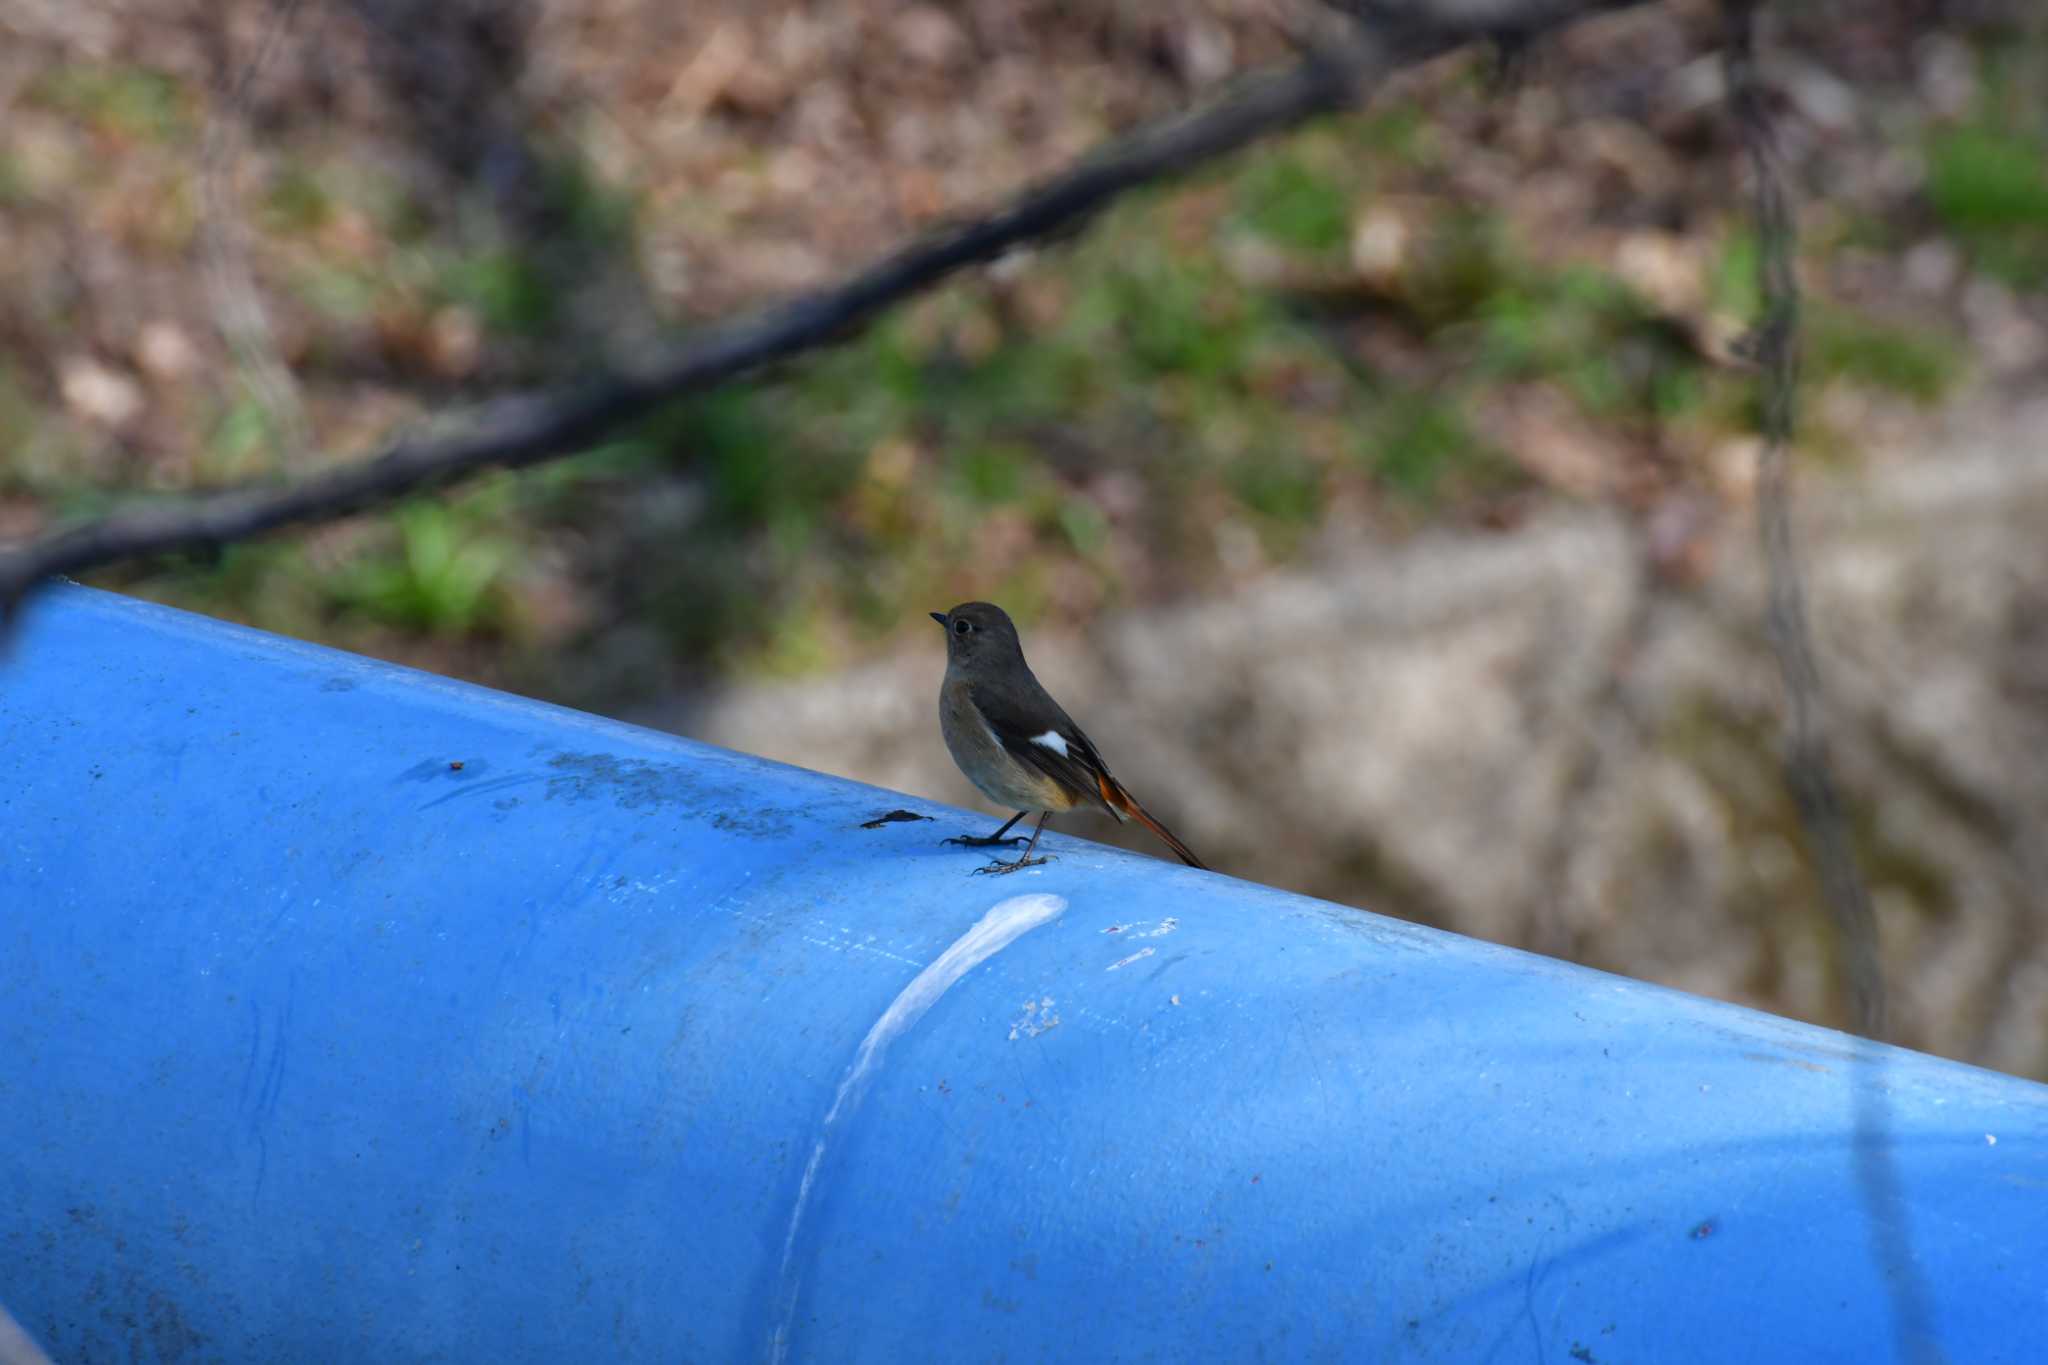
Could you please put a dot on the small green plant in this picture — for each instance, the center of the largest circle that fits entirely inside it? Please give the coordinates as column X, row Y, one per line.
column 1181, row 315
column 1418, row 443
column 445, row 575
column 1990, row 186
column 505, row 287
column 1285, row 199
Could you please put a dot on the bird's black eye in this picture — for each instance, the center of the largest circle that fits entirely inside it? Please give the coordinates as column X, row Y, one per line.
column 962, row 627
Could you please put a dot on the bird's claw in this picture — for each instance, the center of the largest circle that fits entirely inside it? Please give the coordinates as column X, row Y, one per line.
column 997, row 869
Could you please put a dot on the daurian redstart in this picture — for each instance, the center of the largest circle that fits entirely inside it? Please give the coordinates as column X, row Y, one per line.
column 1014, row 742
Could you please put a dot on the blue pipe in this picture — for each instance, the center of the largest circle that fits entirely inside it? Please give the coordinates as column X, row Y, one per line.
column 348, row 1013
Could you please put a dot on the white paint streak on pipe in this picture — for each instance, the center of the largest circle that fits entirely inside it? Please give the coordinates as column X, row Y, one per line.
column 1005, row 923
column 16, row 1347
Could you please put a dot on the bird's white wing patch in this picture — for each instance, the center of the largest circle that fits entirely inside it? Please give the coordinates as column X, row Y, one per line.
column 1053, row 740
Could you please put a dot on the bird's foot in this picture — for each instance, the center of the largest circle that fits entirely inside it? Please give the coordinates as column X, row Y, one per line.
column 997, row 869
column 983, row 840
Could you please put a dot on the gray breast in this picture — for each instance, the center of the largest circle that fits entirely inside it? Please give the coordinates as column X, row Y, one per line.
column 988, row 765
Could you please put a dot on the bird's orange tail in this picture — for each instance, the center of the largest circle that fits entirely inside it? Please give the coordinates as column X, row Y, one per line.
column 1124, row 804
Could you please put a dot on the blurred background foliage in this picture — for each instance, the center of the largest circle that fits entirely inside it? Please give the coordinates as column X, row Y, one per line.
column 1471, row 297
column 1492, row 298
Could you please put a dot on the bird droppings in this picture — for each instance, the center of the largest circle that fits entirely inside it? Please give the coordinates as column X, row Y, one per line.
column 1005, row 922
column 1173, row 999
column 893, row 817
column 1038, row 1017
column 1140, row 929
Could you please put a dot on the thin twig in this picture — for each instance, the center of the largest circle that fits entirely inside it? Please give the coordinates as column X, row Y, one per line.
column 1808, row 769
column 529, row 429
column 1774, row 347
column 238, row 308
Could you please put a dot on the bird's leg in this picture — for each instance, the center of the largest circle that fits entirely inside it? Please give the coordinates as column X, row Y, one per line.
column 1023, row 859
column 991, row 840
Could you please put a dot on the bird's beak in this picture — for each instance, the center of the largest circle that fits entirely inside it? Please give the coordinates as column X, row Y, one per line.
column 942, row 618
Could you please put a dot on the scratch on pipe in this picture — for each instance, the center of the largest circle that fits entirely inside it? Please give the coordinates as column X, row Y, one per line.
column 1005, row 923
column 1141, row 954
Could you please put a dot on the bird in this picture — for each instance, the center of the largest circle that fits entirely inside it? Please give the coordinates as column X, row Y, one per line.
column 1015, row 743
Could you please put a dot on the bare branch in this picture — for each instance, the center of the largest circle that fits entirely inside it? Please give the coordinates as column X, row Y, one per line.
column 532, row 428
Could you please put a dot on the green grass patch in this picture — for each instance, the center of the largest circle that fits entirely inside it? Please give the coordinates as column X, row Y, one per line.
column 1283, row 487
column 1990, row 187
column 1921, row 364
column 1419, row 444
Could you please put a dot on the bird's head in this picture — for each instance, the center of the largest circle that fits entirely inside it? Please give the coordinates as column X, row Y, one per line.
column 978, row 632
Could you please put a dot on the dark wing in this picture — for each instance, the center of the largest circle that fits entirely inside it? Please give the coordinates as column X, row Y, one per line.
column 1022, row 720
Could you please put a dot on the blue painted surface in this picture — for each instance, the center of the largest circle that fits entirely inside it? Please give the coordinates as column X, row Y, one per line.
column 315, row 1046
